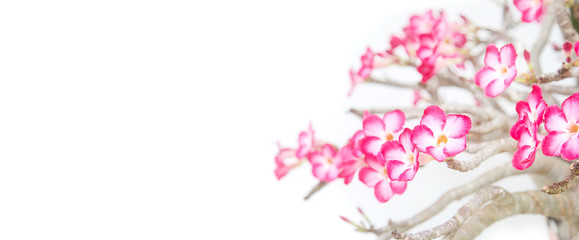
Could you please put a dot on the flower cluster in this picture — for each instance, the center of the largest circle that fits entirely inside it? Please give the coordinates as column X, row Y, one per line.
column 430, row 43
column 386, row 153
column 561, row 124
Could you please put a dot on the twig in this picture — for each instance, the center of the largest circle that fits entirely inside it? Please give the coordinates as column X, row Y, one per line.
column 392, row 83
column 463, row 165
column 564, row 22
column 482, row 197
column 562, row 186
column 316, row 188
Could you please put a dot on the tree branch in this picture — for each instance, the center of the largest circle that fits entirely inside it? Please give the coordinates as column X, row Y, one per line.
column 502, row 145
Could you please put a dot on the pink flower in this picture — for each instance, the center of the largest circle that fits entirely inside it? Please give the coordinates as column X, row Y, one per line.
column 401, row 157
column 576, row 47
column 285, row 160
column 526, row 134
column 352, row 157
column 440, row 135
column 379, row 130
column 384, row 59
column 534, row 107
column 305, row 142
column 532, row 9
column 499, row 70
column 326, row 163
column 376, row 176
column 562, row 126
column 364, row 72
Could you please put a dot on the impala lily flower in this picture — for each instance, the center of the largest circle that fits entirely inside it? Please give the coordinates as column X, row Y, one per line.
column 352, row 157
column 532, row 9
column 379, row 130
column 499, row 71
column 326, row 163
column 534, row 107
column 365, row 70
column 441, row 135
column 526, row 134
column 376, row 176
column 305, row 142
column 562, row 126
column 285, row 160
column 401, row 157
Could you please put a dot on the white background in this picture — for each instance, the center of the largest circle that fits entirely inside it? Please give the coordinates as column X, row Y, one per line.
column 158, row 119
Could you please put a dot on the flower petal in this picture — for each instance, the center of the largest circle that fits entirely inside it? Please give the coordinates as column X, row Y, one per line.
column 571, row 108
column 383, row 191
column 457, row 126
column 496, row 87
column 369, row 176
column 400, row 171
column 406, row 140
column 508, row 55
column 492, row 58
column 393, row 150
column 374, row 126
column 555, row 119
column 422, row 137
column 437, row 153
column 398, row 187
column 454, row 146
column 524, row 157
column 394, row 121
column 570, row 149
column 371, row 145
column 484, row 76
column 553, row 142
column 434, row 118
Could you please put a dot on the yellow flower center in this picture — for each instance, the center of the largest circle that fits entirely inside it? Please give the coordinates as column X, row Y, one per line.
column 329, row 160
column 503, row 70
column 442, row 139
column 389, row 137
column 410, row 158
column 573, row 128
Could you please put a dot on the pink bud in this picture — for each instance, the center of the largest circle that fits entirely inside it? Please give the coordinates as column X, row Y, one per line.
column 346, row 220
column 360, row 211
column 568, row 59
column 567, row 46
column 556, row 47
column 527, row 56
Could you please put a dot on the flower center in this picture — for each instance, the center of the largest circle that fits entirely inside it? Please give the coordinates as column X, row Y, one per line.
column 410, row 158
column 329, row 160
column 503, row 70
column 389, row 137
column 442, row 139
column 573, row 128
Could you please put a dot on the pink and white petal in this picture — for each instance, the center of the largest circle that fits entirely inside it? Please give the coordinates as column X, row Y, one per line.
column 523, row 5
column 374, row 126
column 494, row 88
column 454, row 146
column 383, row 191
column 492, row 57
column 434, row 118
column 555, row 119
column 370, row 177
column 328, row 151
column 437, row 153
column 317, row 158
column 508, row 55
column 400, row 171
column 535, row 97
column 522, row 109
column 531, row 14
column 553, row 142
column 332, row 173
column 348, row 171
column 371, row 145
column 422, row 137
column 511, row 74
column 303, row 151
column 515, row 130
column 524, row 157
column 457, row 126
column 320, row 171
column 394, row 121
column 571, row 108
column 576, row 47
column 398, row 187
column 484, row 76
column 393, row 150
column 374, row 163
column 570, row 149
column 406, row 140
